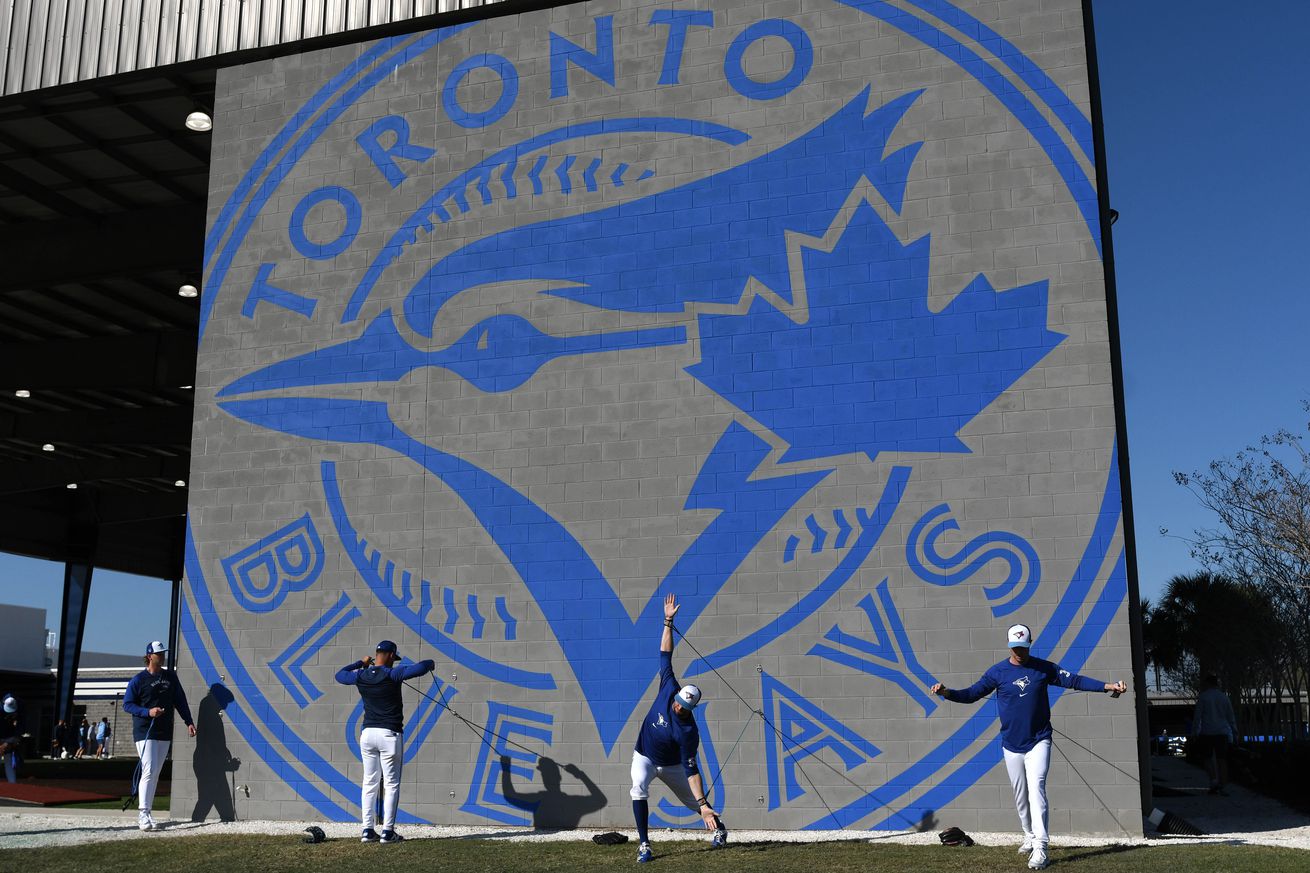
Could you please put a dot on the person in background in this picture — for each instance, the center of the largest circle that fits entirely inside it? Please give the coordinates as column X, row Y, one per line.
column 1213, row 728
column 83, row 737
column 59, row 741
column 102, row 738
column 11, row 738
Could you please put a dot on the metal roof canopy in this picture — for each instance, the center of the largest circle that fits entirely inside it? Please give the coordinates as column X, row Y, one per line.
column 102, row 218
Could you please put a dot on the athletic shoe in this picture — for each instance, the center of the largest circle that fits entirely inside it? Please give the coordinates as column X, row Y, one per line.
column 389, row 837
column 370, row 836
column 644, row 854
column 720, row 839
column 1026, row 848
column 1038, row 859
column 145, row 822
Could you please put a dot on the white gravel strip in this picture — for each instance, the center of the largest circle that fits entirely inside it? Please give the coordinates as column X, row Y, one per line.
column 22, row 828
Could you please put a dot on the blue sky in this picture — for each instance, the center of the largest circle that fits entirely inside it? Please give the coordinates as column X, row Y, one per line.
column 1205, row 131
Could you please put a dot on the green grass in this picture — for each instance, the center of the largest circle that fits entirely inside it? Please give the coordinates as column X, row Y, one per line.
column 220, row 854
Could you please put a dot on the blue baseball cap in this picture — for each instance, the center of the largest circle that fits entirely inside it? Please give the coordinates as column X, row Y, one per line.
column 388, row 646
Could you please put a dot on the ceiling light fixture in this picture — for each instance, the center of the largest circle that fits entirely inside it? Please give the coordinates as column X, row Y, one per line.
column 188, row 291
column 180, row 483
column 199, row 121
column 186, row 387
column 22, row 392
column 48, row 447
column 72, row 486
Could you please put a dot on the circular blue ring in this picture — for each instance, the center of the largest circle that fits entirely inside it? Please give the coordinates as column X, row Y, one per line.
column 920, row 28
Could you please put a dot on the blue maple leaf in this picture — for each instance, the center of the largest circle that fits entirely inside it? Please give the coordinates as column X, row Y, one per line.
column 873, row 369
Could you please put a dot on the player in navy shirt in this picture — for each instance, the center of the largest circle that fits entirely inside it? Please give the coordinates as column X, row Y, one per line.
column 1020, row 683
column 666, row 747
column 378, row 680
column 151, row 699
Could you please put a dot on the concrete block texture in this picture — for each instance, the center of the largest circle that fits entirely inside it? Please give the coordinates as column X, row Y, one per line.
column 512, row 328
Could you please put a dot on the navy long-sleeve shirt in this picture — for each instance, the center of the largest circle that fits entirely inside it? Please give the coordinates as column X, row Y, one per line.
column 1021, row 697
column 664, row 737
column 148, row 690
column 379, row 688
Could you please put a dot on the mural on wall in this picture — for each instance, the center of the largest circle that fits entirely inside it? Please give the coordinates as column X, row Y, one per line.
column 481, row 254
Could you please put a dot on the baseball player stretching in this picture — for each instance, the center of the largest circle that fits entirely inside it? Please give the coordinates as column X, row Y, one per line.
column 380, row 738
column 1020, row 683
column 666, row 747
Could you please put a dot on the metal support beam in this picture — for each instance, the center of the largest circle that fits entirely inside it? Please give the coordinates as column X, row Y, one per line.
column 174, row 615
column 72, row 624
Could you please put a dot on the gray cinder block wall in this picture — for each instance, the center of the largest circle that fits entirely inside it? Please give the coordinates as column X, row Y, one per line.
column 793, row 309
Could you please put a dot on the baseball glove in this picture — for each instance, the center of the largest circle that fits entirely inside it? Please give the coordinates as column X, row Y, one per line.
column 955, row 837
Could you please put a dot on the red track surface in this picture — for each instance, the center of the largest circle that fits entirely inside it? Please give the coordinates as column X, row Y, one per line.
column 45, row 794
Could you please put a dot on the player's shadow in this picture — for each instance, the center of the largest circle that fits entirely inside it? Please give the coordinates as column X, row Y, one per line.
column 551, row 808
column 213, row 762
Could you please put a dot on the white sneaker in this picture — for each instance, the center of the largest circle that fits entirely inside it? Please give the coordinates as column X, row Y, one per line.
column 1026, row 848
column 145, row 822
column 1038, row 860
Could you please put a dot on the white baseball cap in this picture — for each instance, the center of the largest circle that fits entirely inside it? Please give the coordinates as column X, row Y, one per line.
column 11, row 705
column 156, row 648
column 689, row 696
column 1019, row 636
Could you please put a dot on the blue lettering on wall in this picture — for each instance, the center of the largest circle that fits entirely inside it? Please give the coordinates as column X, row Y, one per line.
column 509, row 90
column 878, row 656
column 802, row 59
column 264, row 291
column 678, row 20
column 599, row 63
column 263, row 573
column 802, row 729
column 289, row 667
column 385, row 157
column 1022, row 562
column 324, row 251
column 505, row 723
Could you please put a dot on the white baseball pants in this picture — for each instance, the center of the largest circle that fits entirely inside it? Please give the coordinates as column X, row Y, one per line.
column 1028, row 778
column 153, row 754
column 383, row 756
column 645, row 771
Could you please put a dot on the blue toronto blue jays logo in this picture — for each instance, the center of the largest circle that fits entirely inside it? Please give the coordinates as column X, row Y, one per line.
column 782, row 281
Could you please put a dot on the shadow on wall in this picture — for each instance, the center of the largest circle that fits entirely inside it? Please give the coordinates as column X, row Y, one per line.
column 551, row 808
column 213, row 762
